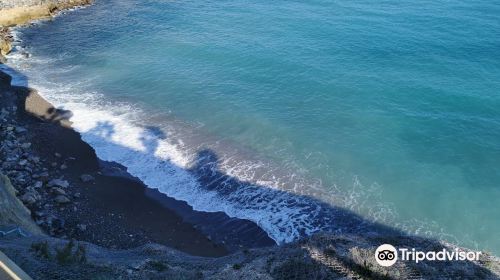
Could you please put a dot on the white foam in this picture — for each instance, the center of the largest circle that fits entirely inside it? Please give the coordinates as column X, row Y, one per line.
column 164, row 166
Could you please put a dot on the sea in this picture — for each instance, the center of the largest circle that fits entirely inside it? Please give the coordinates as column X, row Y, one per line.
column 302, row 116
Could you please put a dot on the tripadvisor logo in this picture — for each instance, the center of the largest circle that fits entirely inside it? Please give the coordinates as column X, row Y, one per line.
column 387, row 255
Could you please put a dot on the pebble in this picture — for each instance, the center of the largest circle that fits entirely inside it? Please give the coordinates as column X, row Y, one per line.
column 62, row 199
column 29, row 174
column 58, row 191
column 26, row 145
column 39, row 214
column 57, row 223
column 82, row 227
column 58, row 183
column 87, row 178
column 21, row 129
column 44, row 176
column 30, row 198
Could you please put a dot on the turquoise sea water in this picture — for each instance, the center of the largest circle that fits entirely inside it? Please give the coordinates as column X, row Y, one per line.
column 389, row 109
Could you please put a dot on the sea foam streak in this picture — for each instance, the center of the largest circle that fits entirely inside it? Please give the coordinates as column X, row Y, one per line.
column 161, row 165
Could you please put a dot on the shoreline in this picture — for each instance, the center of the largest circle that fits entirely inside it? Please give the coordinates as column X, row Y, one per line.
column 14, row 14
column 155, row 217
column 72, row 194
column 112, row 210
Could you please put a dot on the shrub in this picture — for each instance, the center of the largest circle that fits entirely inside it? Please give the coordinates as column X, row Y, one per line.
column 65, row 255
column 41, row 249
column 157, row 265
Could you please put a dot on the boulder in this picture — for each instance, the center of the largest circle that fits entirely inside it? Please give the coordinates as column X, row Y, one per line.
column 5, row 46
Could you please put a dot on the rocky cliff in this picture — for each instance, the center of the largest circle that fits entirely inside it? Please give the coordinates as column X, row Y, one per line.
column 14, row 12
column 17, row 12
column 13, row 213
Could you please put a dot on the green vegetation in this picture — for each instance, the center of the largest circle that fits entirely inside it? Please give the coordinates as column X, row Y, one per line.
column 157, row 265
column 65, row 255
column 41, row 249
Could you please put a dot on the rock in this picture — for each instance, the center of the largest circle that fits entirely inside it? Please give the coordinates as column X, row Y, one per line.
column 30, row 198
column 77, row 195
column 81, row 227
column 26, row 145
column 39, row 214
column 58, row 191
column 62, row 199
column 37, row 184
column 23, row 162
column 35, row 159
column 5, row 46
column 20, row 129
column 63, row 166
column 87, row 178
column 28, row 169
column 57, row 223
column 58, row 183
column 58, row 155
column 44, row 176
